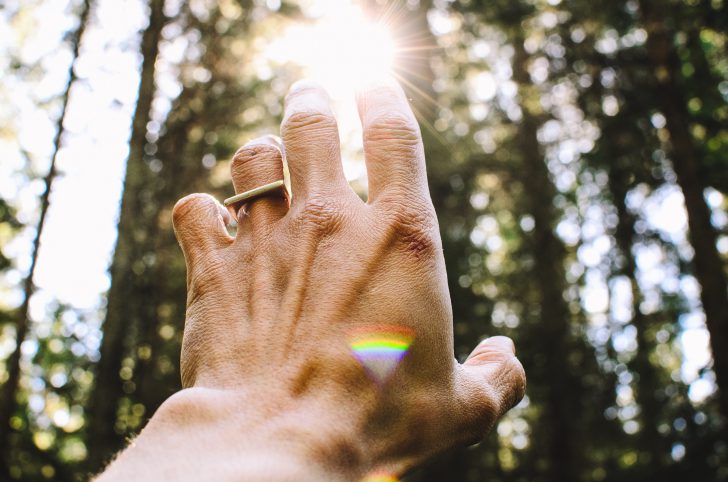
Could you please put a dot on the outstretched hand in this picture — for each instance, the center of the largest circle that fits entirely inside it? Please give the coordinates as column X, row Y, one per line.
column 318, row 341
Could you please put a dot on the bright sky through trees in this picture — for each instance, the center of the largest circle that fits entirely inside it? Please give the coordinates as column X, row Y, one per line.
column 337, row 45
column 339, row 48
column 342, row 48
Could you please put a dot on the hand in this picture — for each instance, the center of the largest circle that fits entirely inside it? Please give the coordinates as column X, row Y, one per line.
column 272, row 314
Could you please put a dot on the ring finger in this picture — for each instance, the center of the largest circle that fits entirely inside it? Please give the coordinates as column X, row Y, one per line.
column 255, row 165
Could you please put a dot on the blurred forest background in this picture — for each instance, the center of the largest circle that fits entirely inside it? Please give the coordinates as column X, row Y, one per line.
column 578, row 161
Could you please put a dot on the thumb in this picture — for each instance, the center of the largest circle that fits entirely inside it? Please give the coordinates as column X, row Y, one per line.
column 199, row 224
column 493, row 380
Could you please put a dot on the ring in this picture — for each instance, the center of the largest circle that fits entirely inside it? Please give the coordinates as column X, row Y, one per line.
column 255, row 193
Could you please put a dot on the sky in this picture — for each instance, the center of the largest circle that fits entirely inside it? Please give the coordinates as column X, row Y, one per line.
column 81, row 228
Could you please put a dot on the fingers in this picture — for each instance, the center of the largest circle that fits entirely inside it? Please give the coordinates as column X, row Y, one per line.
column 392, row 142
column 494, row 381
column 199, row 224
column 311, row 139
column 257, row 163
column 492, row 348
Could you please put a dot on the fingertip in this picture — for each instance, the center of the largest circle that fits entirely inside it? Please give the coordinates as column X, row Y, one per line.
column 197, row 220
column 492, row 350
column 372, row 85
column 183, row 210
column 502, row 342
column 307, row 102
column 274, row 141
column 307, row 94
column 304, row 84
column 382, row 80
column 266, row 140
column 495, row 375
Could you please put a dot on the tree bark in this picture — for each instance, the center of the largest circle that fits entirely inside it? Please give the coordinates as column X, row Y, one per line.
column 103, row 439
column 708, row 265
column 651, row 442
column 561, row 399
column 8, row 395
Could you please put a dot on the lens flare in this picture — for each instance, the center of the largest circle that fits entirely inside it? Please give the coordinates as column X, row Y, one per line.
column 380, row 477
column 380, row 348
column 341, row 49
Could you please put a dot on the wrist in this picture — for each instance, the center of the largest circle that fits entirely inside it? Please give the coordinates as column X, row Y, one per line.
column 226, row 435
column 270, row 427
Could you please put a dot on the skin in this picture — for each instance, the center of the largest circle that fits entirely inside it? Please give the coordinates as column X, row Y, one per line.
column 271, row 388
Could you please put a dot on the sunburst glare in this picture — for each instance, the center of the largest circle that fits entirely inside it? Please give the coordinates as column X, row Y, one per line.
column 341, row 49
column 345, row 44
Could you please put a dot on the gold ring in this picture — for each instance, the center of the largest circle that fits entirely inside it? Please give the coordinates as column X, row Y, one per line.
column 255, row 193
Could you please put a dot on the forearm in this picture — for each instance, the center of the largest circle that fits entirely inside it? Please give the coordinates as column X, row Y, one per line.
column 201, row 434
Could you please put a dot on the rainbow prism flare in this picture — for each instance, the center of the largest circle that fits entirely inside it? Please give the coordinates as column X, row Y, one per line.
column 380, row 348
column 380, row 477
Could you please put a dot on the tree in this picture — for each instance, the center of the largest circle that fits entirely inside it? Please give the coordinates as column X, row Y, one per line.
column 708, row 264
column 8, row 398
column 108, row 384
column 551, row 128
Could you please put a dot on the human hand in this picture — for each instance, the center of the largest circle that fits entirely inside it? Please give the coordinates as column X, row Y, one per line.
column 272, row 313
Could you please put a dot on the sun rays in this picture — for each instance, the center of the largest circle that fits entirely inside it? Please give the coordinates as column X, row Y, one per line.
column 347, row 44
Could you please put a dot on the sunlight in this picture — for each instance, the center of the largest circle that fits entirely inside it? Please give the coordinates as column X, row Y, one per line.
column 340, row 50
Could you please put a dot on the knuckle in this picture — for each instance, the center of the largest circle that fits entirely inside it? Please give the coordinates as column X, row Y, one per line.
column 480, row 417
column 508, row 385
column 516, row 389
column 307, row 123
column 399, row 131
column 320, row 215
column 252, row 152
column 251, row 156
column 415, row 229
column 485, row 397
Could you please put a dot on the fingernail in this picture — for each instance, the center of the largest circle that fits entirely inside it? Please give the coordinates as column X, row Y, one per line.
column 306, row 96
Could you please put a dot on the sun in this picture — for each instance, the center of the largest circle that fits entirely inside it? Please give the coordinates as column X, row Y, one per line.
column 341, row 49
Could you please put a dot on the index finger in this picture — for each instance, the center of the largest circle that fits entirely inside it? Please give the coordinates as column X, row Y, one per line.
column 395, row 156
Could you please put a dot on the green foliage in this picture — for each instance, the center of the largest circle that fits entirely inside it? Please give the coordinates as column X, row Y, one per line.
column 548, row 152
column 8, row 225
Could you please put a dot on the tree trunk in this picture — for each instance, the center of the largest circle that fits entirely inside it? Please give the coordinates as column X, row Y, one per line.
column 561, row 399
column 8, row 396
column 651, row 441
column 707, row 262
column 103, row 439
